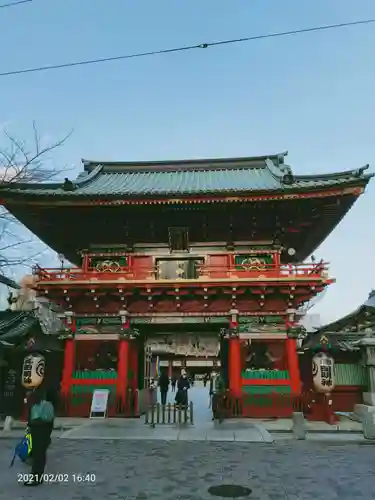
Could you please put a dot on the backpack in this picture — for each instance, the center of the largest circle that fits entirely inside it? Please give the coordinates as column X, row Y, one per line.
column 23, row 449
column 44, row 411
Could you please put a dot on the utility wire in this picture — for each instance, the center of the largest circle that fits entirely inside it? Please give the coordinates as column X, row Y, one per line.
column 14, row 4
column 185, row 48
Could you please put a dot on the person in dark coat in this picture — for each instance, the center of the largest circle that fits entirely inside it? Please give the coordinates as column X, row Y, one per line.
column 164, row 385
column 217, row 390
column 41, row 436
column 52, row 395
column 182, row 389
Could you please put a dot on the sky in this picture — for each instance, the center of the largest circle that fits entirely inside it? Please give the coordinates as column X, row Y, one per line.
column 311, row 94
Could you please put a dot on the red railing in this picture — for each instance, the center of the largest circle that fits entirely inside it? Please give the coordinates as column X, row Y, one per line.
column 315, row 407
column 204, row 272
column 272, row 405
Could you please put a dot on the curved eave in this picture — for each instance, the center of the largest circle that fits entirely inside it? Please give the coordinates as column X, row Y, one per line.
column 35, row 188
column 287, row 192
column 222, row 178
column 337, row 340
column 348, row 319
column 349, row 174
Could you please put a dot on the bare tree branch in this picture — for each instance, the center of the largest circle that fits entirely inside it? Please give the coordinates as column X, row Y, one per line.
column 19, row 163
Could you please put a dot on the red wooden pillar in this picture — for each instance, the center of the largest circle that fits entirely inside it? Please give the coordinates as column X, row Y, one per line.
column 293, row 365
column 69, row 354
column 235, row 372
column 170, row 368
column 122, row 368
column 69, row 362
column 123, row 363
column 235, row 363
column 135, row 356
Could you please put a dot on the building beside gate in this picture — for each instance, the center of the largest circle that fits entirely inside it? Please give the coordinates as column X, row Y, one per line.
column 350, row 341
column 205, row 259
column 22, row 333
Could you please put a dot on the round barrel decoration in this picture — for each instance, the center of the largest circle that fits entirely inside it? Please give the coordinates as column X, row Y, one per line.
column 33, row 370
column 323, row 373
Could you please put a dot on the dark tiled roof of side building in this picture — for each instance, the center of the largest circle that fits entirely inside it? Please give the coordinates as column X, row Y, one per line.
column 17, row 324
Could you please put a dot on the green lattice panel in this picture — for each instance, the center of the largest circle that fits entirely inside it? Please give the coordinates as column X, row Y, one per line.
column 265, row 389
column 350, row 374
column 265, row 374
column 95, row 374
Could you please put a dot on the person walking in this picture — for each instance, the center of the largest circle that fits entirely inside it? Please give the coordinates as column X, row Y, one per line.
column 182, row 389
column 164, row 385
column 40, row 423
column 217, row 389
column 52, row 395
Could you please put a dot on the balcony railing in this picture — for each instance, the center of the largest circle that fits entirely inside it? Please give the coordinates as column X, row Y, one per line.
column 204, row 273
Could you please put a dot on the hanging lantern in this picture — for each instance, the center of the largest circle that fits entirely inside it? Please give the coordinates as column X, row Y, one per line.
column 323, row 373
column 233, row 321
column 125, row 320
column 33, row 370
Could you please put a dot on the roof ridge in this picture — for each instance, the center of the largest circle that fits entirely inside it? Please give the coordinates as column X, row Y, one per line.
column 183, row 170
column 88, row 164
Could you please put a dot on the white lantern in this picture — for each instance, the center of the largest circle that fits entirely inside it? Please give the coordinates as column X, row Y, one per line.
column 323, row 372
column 33, row 370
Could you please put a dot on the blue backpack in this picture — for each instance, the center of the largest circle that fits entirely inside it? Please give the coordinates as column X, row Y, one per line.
column 44, row 411
column 23, row 449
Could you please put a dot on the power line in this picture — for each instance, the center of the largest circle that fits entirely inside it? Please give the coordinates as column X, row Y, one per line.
column 14, row 4
column 181, row 49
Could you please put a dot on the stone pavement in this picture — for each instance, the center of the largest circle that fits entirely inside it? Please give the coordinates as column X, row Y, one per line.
column 60, row 423
column 244, row 430
column 130, row 429
column 286, row 424
column 157, row 470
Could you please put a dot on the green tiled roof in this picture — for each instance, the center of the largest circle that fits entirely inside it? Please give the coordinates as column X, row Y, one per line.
column 232, row 175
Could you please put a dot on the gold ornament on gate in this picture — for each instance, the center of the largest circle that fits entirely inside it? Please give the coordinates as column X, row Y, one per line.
column 108, row 266
column 253, row 264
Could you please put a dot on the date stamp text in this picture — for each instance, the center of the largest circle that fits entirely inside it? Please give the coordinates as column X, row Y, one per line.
column 88, row 478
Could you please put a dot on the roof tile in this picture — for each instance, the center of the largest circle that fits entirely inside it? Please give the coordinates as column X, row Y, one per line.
column 224, row 176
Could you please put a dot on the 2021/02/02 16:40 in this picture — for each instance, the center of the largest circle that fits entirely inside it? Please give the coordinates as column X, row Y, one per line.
column 59, row 478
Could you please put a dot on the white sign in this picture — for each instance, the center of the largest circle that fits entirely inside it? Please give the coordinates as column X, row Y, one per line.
column 99, row 403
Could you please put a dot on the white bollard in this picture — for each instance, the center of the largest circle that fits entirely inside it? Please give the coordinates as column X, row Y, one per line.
column 8, row 424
